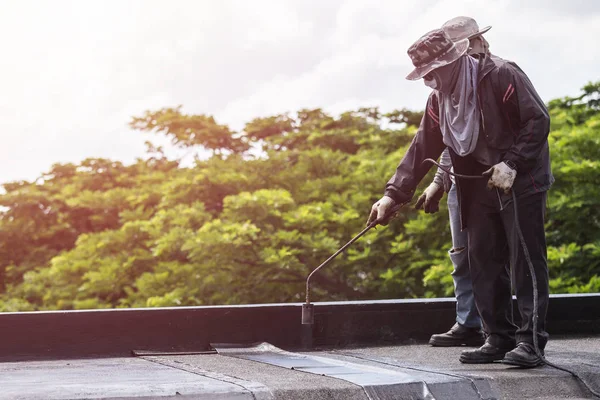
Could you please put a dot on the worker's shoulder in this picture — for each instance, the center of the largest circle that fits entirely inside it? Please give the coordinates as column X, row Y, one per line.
column 503, row 70
column 432, row 99
column 505, row 65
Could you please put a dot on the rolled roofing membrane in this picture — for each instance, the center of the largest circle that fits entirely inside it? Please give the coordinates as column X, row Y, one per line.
column 378, row 383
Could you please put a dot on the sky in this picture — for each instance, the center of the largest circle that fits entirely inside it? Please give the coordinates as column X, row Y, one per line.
column 73, row 73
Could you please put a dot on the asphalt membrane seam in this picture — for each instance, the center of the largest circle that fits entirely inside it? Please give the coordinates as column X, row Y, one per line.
column 381, row 361
column 303, row 371
column 369, row 389
column 250, row 387
column 578, row 379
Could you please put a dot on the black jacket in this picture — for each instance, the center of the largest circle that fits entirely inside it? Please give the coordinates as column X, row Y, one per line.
column 514, row 124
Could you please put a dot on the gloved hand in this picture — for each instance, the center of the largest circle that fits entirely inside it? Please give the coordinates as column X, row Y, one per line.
column 430, row 199
column 380, row 208
column 501, row 176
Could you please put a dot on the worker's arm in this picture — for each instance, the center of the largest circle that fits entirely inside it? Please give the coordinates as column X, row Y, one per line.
column 427, row 143
column 446, row 162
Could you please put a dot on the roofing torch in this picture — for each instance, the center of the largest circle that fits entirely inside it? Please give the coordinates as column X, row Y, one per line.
column 308, row 314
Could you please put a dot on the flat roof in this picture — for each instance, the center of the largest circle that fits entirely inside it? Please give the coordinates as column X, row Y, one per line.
column 416, row 370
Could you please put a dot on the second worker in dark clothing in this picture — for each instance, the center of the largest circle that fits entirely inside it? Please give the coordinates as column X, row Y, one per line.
column 490, row 117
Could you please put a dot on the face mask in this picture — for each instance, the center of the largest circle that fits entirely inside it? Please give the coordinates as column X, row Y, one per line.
column 429, row 81
column 446, row 76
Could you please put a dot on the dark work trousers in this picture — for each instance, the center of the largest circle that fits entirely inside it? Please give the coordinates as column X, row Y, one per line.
column 493, row 242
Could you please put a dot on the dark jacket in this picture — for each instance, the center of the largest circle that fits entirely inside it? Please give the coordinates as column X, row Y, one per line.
column 514, row 124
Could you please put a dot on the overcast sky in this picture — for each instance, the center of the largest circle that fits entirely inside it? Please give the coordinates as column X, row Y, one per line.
column 72, row 73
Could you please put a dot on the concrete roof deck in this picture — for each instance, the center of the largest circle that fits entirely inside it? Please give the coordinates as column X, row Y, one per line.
column 219, row 376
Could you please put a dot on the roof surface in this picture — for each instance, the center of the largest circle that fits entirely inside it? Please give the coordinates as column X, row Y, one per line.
column 415, row 371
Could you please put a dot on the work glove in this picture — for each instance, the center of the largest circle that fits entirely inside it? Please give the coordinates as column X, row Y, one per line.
column 501, row 176
column 380, row 208
column 430, row 199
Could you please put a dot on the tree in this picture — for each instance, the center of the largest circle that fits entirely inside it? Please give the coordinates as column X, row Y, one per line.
column 573, row 229
column 190, row 130
column 248, row 224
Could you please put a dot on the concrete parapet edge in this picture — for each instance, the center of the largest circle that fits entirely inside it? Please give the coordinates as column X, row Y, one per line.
column 116, row 332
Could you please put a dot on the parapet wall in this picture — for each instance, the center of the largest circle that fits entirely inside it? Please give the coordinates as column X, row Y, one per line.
column 117, row 332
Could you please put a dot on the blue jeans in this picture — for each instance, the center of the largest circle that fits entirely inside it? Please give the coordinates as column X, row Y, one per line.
column 466, row 311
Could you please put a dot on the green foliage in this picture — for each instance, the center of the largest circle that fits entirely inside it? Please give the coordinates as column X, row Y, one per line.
column 573, row 228
column 275, row 200
column 190, row 130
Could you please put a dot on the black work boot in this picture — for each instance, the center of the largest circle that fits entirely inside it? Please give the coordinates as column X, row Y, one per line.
column 488, row 353
column 458, row 335
column 524, row 355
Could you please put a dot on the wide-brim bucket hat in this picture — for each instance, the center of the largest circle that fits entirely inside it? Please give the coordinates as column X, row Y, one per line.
column 460, row 28
column 434, row 50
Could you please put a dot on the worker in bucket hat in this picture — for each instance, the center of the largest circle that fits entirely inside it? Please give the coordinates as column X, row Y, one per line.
column 491, row 119
column 467, row 328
